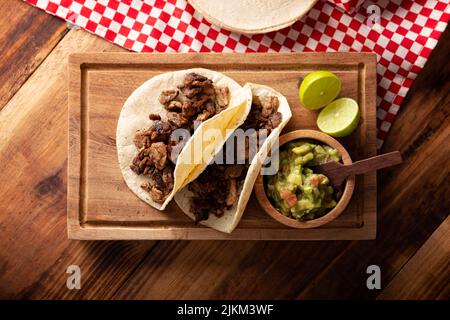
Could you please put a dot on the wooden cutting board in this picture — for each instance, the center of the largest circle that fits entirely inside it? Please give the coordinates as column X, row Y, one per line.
column 100, row 205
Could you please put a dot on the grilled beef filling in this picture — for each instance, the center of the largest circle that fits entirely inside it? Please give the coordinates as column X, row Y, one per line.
column 197, row 99
column 217, row 188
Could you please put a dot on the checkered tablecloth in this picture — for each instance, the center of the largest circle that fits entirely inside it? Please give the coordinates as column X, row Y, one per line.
column 401, row 32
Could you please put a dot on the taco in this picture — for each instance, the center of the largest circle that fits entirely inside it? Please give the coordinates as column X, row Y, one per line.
column 156, row 162
column 219, row 195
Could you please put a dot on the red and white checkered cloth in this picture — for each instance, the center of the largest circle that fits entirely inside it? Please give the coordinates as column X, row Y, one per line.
column 348, row 5
column 401, row 32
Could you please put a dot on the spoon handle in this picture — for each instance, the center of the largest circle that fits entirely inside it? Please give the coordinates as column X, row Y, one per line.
column 374, row 163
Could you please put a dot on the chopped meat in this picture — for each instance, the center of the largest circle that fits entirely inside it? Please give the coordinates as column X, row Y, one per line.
column 200, row 100
column 216, row 189
column 202, row 83
column 146, row 186
column 156, row 194
column 142, row 139
column 143, row 164
column 153, row 116
column 269, row 105
column 143, row 153
column 161, row 127
column 193, row 84
column 160, row 131
column 174, row 106
column 158, row 155
column 261, row 120
column 204, row 116
column 187, row 109
column 274, row 120
column 232, row 192
column 210, row 107
column 256, row 104
column 154, row 136
column 219, row 212
column 222, row 96
column 210, row 190
column 201, row 209
column 160, row 184
column 233, row 171
column 213, row 191
column 263, row 116
column 251, row 122
column 176, row 119
column 195, row 79
column 139, row 139
column 156, row 177
column 135, row 165
column 211, row 181
column 167, row 95
column 191, row 92
column 167, row 178
column 202, row 186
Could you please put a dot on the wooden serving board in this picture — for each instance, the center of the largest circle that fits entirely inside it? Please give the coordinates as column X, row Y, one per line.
column 100, row 205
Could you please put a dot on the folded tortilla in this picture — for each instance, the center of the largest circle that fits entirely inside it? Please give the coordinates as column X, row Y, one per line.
column 228, row 222
column 253, row 16
column 143, row 101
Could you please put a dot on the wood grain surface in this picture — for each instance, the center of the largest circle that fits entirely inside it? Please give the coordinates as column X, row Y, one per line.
column 27, row 37
column 418, row 277
column 100, row 205
column 413, row 203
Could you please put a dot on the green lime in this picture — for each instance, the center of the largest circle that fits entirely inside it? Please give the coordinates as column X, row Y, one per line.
column 318, row 89
column 339, row 118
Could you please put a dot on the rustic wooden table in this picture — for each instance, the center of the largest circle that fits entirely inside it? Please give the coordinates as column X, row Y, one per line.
column 412, row 247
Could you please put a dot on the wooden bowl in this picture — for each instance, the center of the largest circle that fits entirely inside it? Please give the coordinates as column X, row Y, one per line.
column 336, row 211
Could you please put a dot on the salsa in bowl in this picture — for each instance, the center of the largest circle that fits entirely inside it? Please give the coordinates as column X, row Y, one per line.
column 296, row 190
column 296, row 195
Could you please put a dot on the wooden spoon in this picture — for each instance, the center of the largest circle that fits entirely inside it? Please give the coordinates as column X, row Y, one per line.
column 338, row 172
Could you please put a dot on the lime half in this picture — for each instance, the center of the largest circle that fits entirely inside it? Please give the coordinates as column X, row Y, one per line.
column 339, row 118
column 318, row 89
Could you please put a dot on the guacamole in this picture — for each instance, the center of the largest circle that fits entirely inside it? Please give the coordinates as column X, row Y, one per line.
column 295, row 190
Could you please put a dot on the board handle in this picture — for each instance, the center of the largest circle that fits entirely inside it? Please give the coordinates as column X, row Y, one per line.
column 375, row 163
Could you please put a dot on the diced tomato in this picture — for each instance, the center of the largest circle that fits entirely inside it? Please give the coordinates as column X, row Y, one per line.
column 321, row 178
column 291, row 200
column 285, row 193
column 314, row 181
